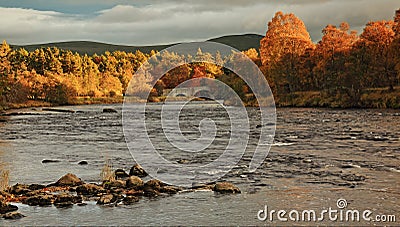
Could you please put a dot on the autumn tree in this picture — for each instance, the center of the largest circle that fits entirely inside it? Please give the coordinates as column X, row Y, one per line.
column 286, row 40
column 330, row 57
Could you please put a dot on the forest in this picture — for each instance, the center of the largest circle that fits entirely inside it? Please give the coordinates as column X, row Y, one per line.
column 344, row 69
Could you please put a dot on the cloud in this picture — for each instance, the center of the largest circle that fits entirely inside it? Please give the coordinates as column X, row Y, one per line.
column 161, row 22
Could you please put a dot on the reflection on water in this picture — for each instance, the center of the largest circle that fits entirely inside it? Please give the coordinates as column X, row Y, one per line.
column 318, row 156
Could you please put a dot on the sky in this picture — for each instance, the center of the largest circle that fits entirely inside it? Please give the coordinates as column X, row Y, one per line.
column 150, row 22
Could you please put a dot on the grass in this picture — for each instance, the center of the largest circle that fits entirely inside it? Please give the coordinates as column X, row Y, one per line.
column 107, row 172
column 4, row 179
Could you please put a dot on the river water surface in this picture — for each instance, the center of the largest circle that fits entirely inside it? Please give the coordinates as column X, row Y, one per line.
column 318, row 157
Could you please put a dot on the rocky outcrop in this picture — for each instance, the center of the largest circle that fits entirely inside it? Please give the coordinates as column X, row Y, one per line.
column 225, row 187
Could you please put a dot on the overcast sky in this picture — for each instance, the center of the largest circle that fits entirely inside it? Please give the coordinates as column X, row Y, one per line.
column 148, row 22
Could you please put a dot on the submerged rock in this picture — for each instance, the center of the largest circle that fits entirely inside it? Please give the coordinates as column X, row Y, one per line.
column 13, row 215
column 138, row 171
column 225, row 187
column 69, row 180
column 134, row 182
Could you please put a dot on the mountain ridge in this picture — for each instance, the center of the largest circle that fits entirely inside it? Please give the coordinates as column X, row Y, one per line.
column 240, row 42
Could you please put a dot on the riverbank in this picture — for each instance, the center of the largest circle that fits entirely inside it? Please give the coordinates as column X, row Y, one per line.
column 379, row 98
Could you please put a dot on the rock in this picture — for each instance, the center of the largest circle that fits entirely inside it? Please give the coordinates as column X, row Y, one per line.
column 134, row 193
column 138, row 171
column 225, row 187
column 128, row 200
column 120, row 174
column 39, row 200
column 109, row 110
column 114, row 184
column 67, row 198
column 353, row 177
column 89, row 189
column 149, row 192
column 19, row 189
column 64, row 205
column 81, row 204
column 13, row 216
column 6, row 208
column 49, row 161
column 69, row 180
column 35, row 187
column 170, row 189
column 153, row 184
column 106, row 199
column 134, row 182
column 83, row 163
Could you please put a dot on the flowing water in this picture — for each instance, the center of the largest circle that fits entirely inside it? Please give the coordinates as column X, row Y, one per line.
column 318, row 157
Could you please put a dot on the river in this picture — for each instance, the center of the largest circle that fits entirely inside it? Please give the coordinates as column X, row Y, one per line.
column 318, row 157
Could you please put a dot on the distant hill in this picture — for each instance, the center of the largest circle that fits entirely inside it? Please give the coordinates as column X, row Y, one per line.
column 240, row 42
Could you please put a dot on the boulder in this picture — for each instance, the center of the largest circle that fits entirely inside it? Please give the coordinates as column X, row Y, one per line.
column 134, row 182
column 34, row 187
column 69, row 180
column 153, row 184
column 89, row 189
column 6, row 208
column 128, row 200
column 120, row 174
column 67, row 198
column 106, row 199
column 19, row 189
column 138, row 171
column 109, row 110
column 170, row 189
column 149, row 192
column 83, row 163
column 114, row 184
column 13, row 216
column 39, row 200
column 225, row 187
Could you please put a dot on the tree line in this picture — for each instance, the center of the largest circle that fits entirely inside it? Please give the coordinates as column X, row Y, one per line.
column 343, row 67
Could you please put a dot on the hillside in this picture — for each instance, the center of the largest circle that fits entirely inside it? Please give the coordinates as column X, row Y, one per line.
column 240, row 42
